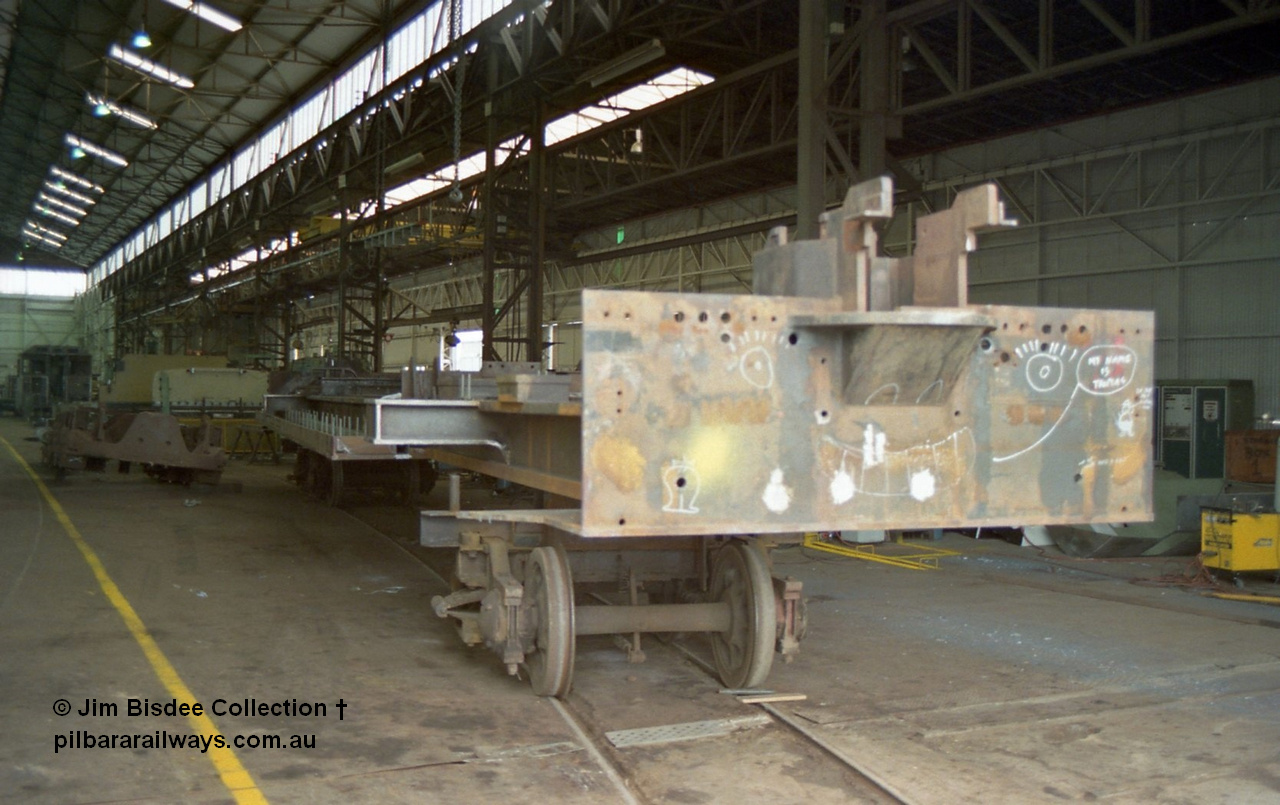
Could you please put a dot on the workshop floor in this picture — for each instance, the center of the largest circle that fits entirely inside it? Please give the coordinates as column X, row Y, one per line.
column 1004, row 676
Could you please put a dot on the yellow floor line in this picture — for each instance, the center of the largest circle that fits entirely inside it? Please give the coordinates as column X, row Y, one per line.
column 234, row 775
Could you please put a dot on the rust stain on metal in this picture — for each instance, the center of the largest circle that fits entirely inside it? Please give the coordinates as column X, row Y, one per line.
column 736, row 411
column 619, row 460
column 1014, row 414
column 1130, row 461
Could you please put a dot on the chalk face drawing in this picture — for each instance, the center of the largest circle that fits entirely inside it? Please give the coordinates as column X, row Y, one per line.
column 1045, row 372
column 918, row 471
column 680, row 486
column 1106, row 369
column 753, row 357
column 756, row 367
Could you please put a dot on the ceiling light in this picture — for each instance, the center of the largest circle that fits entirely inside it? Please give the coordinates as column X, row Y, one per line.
column 631, row 60
column 37, row 236
column 60, row 204
column 103, row 107
column 86, row 147
column 147, row 67
column 208, row 13
column 62, row 189
column 141, row 40
column 66, row 219
column 78, row 153
column 76, row 179
column 43, row 230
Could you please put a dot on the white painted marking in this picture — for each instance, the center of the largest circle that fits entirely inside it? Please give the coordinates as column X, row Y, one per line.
column 842, row 487
column 877, row 392
column 777, row 495
column 680, row 486
column 923, row 485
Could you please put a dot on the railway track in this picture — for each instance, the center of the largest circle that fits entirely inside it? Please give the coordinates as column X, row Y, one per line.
column 637, row 762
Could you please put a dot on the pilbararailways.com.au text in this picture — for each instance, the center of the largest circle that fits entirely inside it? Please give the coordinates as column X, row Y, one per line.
column 163, row 739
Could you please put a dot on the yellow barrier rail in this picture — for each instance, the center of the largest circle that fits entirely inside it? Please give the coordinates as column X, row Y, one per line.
column 916, row 557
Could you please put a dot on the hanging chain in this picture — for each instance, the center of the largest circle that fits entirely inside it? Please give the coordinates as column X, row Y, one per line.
column 455, row 32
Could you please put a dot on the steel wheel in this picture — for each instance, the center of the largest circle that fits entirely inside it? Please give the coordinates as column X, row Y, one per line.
column 548, row 591
column 744, row 652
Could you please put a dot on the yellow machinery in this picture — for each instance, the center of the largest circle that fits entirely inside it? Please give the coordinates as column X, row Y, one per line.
column 1238, row 542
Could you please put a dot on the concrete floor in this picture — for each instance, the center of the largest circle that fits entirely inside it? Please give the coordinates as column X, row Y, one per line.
column 1006, row 676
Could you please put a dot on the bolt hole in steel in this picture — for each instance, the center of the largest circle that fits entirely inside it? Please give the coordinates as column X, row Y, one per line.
column 1044, row 346
column 1004, row 357
column 548, row 602
column 724, row 317
column 703, row 316
column 986, row 345
column 606, row 314
column 680, row 482
column 740, row 578
column 793, row 338
column 725, row 337
column 679, row 317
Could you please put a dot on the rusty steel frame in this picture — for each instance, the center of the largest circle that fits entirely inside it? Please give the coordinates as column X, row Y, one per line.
column 829, row 401
column 88, row 436
column 849, row 391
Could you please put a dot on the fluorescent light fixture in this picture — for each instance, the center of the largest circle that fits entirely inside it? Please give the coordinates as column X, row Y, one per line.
column 37, row 236
column 633, row 59
column 76, row 179
column 208, row 13
column 54, row 214
column 147, row 67
column 43, row 230
column 141, row 39
column 68, row 192
column 103, row 107
column 105, row 154
column 62, row 205
column 411, row 161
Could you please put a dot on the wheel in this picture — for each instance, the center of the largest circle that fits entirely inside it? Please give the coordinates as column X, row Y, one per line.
column 743, row 653
column 548, row 593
